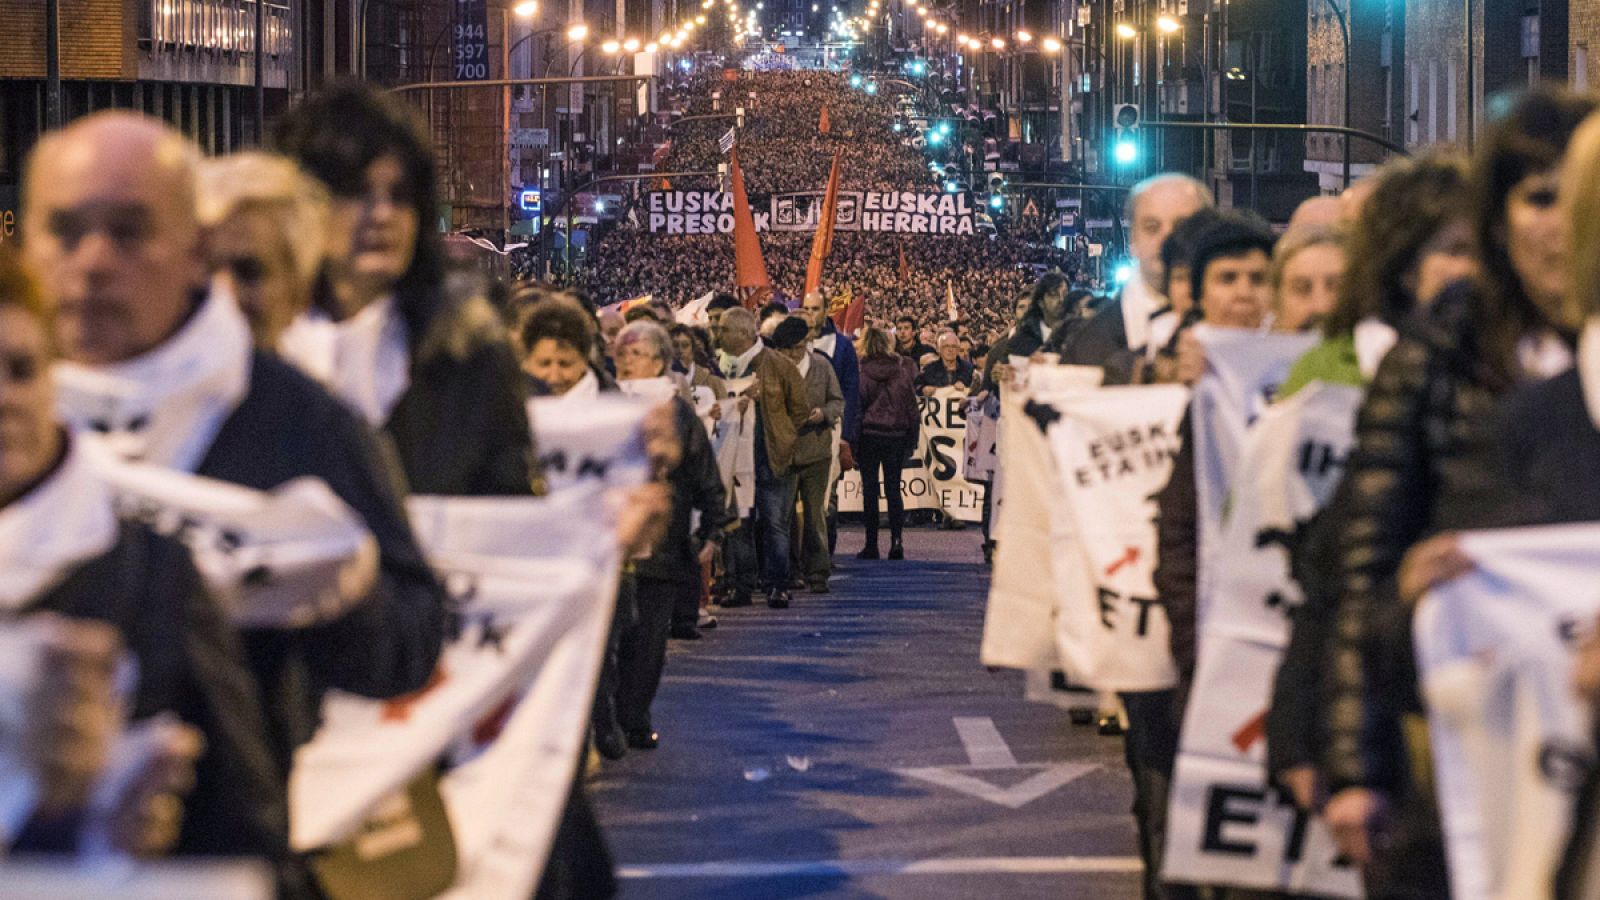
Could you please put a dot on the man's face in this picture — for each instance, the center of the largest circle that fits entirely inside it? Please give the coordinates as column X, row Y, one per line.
column 110, row 230
column 611, row 325
column 683, row 347
column 814, row 310
column 949, row 349
column 27, row 418
column 1021, row 308
column 714, row 326
column 1234, row 290
column 1159, row 209
column 905, row 332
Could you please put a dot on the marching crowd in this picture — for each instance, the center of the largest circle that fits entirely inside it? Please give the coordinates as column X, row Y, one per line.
column 1460, row 296
column 781, row 150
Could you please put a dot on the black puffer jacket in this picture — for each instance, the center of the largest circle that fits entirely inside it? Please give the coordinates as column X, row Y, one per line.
column 1425, row 461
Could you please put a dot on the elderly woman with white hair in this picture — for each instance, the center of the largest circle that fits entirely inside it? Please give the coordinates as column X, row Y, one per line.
column 669, row 578
column 265, row 222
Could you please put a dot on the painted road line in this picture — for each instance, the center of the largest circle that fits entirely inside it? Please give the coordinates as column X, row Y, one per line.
column 987, row 752
column 975, row 865
column 985, row 746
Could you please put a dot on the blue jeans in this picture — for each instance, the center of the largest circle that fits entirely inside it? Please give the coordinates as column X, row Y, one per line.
column 774, row 517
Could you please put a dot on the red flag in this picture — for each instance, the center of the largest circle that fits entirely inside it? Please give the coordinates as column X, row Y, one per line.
column 905, row 270
column 848, row 312
column 749, row 269
column 822, row 244
column 822, row 122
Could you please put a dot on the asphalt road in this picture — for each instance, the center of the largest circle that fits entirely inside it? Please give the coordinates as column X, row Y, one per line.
column 852, row 746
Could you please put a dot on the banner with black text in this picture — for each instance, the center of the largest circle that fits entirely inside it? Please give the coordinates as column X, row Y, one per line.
column 933, row 477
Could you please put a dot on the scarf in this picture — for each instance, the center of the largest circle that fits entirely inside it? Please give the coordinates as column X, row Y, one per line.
column 166, row 406
column 364, row 360
column 741, row 365
column 48, row 532
column 1140, row 305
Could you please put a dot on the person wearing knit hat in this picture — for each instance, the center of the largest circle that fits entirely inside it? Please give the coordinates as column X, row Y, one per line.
column 813, row 450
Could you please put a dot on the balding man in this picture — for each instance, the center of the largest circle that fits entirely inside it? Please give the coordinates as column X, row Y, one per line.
column 841, row 353
column 164, row 365
column 1126, row 334
column 782, row 409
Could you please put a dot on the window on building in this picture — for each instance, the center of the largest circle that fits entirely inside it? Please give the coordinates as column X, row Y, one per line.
column 1433, row 101
column 1450, row 100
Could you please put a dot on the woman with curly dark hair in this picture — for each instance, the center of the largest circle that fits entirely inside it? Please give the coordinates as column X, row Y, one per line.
column 1426, row 464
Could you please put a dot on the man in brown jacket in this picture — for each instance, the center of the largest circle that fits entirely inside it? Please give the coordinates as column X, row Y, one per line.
column 782, row 408
column 813, row 455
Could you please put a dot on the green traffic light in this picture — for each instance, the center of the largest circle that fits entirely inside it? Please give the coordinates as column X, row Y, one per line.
column 1126, row 151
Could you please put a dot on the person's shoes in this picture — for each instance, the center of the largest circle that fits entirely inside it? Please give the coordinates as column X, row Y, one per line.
column 797, row 583
column 611, row 744
column 1081, row 715
column 684, row 631
column 868, row 552
column 1110, row 724
column 707, row 622
column 896, row 551
column 736, row 600
column 778, row 599
column 818, row 587
column 953, row 524
column 988, row 553
column 644, row 740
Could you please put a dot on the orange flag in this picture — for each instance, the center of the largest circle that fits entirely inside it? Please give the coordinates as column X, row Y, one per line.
column 822, row 244
column 749, row 269
column 822, row 122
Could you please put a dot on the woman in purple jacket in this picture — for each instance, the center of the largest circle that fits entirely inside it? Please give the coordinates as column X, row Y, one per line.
column 888, row 434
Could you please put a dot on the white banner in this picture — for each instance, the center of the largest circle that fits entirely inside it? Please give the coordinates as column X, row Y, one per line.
column 903, row 212
column 1225, row 825
column 1511, row 741
column 933, row 476
column 531, row 583
column 1244, row 368
column 1114, row 448
column 599, row 438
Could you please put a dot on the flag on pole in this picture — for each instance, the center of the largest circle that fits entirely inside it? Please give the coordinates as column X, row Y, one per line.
column 823, row 125
column 822, row 243
column 905, row 270
column 727, row 141
column 847, row 311
column 951, row 313
column 749, row 269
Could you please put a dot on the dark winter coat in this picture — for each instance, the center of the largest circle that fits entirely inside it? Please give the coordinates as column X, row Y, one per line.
column 1424, row 462
column 889, row 396
column 696, row 486
column 461, row 427
column 192, row 666
column 847, row 368
column 288, row 427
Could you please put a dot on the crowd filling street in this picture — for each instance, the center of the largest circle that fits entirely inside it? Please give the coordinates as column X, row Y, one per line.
column 1325, row 471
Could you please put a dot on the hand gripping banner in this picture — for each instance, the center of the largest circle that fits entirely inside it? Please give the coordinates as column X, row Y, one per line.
column 1511, row 741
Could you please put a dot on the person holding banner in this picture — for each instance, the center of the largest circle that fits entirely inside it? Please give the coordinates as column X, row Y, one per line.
column 779, row 396
column 889, row 424
column 949, row 370
column 435, row 372
column 669, row 577
column 1405, row 245
column 813, row 450
column 1424, row 465
column 1125, row 334
column 80, row 586
column 1044, row 318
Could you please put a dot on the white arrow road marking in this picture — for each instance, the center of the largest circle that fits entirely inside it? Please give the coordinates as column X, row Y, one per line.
column 985, row 746
column 987, row 752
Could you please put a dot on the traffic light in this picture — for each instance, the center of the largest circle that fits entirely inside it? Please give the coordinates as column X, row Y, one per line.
column 1125, row 142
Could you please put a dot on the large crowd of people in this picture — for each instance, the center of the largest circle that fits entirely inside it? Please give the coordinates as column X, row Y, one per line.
column 274, row 317
column 781, row 150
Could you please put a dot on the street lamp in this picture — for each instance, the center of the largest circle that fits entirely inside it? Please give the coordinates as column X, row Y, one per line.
column 1126, row 32
column 1024, row 37
column 527, row 9
column 577, row 32
column 1050, row 44
column 1168, row 25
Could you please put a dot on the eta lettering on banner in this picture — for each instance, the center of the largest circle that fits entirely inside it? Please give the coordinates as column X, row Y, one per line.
column 1225, row 825
column 1114, row 448
column 1511, row 742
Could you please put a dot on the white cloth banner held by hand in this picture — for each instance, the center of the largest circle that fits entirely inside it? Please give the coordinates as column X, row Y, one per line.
column 1114, row 448
column 531, row 582
column 934, row 474
column 1511, row 742
column 1225, row 825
